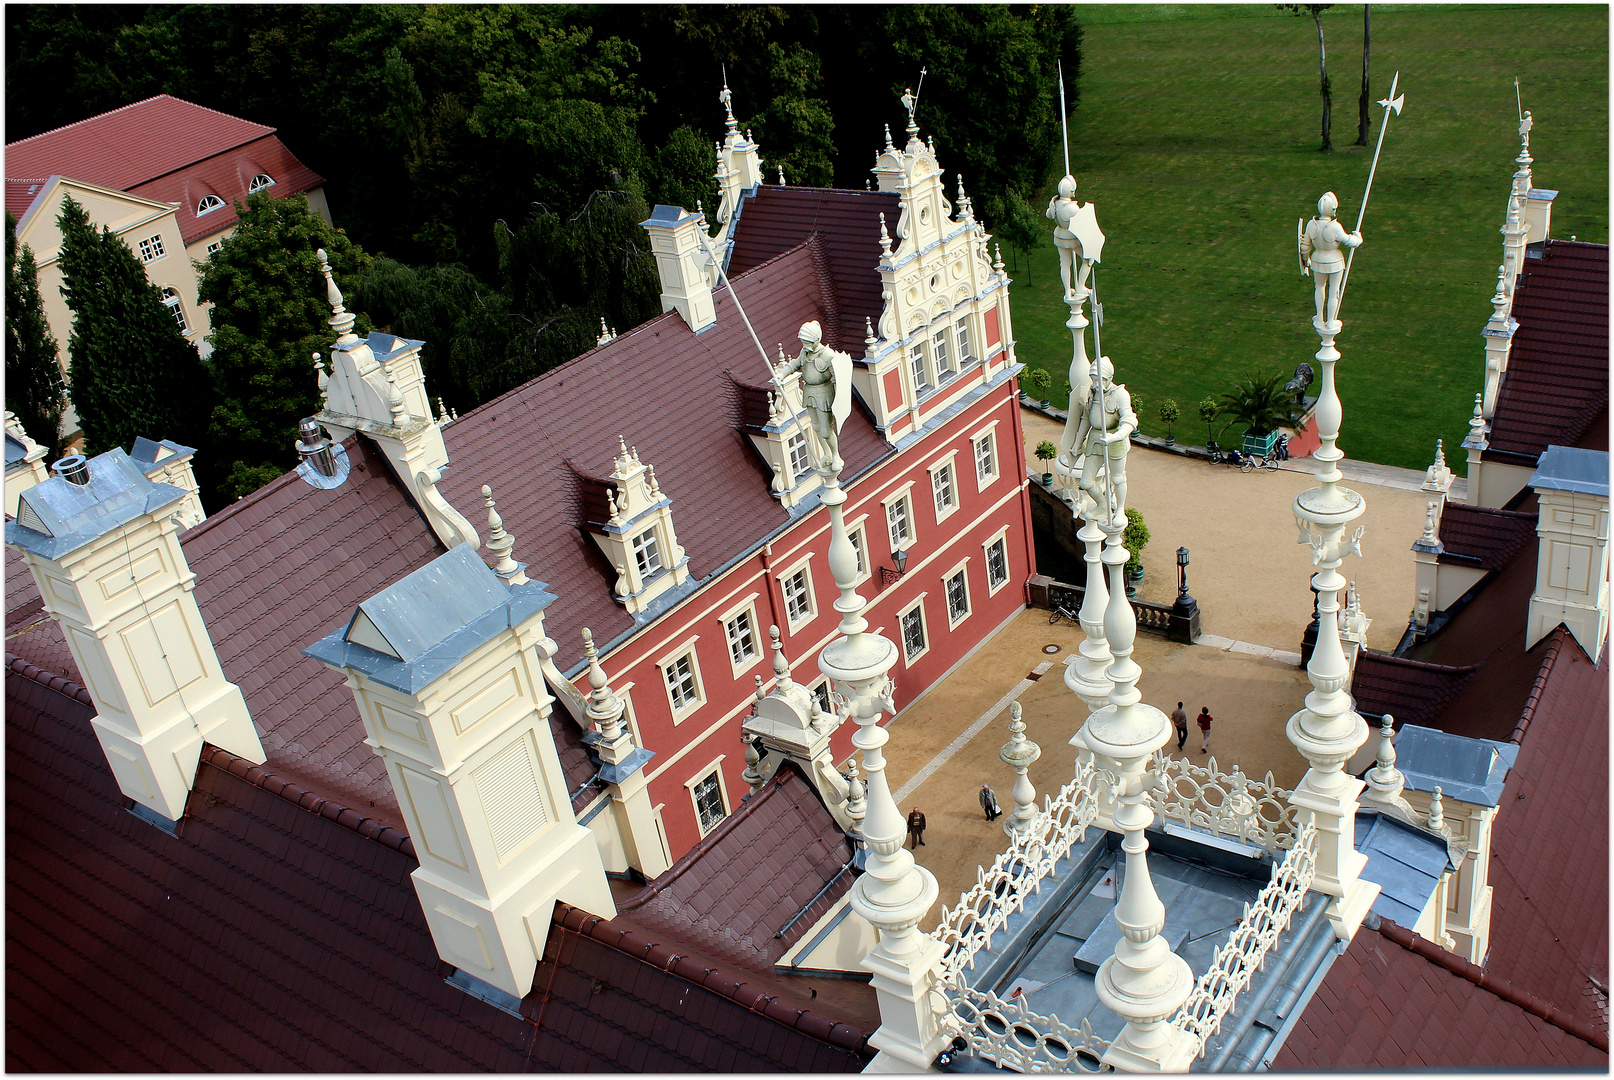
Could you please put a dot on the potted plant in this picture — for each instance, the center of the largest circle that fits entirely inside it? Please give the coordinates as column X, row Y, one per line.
column 1046, row 452
column 1039, row 382
column 1169, row 414
column 1263, row 406
column 1208, row 412
column 1135, row 537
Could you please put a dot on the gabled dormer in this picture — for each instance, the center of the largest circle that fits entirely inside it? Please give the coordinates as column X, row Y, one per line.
column 777, row 426
column 167, row 462
column 375, row 385
column 631, row 522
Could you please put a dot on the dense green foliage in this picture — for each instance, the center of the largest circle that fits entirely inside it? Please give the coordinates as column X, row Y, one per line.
column 1259, row 402
column 1197, row 141
column 1135, row 537
column 35, row 391
column 133, row 372
column 269, row 317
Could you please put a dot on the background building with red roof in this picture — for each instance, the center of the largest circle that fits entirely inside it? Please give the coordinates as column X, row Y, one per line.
column 163, row 174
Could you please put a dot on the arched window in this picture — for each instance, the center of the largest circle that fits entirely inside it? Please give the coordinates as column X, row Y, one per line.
column 259, row 182
column 208, row 204
column 171, row 298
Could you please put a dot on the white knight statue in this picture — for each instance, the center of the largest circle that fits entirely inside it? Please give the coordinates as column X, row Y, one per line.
column 1103, row 429
column 1320, row 240
column 1076, row 235
column 826, row 377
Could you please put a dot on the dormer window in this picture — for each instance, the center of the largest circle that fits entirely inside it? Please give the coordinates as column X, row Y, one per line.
column 209, row 204
column 797, row 445
column 647, row 553
column 259, row 182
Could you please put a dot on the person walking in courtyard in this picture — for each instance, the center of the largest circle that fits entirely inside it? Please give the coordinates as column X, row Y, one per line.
column 1180, row 718
column 1204, row 720
column 916, row 829
column 989, row 803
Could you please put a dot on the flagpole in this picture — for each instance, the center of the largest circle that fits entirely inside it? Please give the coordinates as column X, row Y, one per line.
column 1064, row 121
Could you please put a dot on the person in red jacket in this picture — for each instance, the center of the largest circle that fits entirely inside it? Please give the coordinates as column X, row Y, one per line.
column 1204, row 720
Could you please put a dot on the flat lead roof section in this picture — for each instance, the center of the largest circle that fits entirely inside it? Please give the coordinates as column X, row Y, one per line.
column 1473, row 770
column 1567, row 468
column 1404, row 862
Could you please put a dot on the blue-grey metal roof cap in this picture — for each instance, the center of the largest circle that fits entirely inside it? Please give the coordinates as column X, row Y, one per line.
column 15, row 450
column 412, row 634
column 147, row 452
column 1566, row 468
column 385, row 346
column 56, row 517
column 665, row 215
column 1472, row 770
column 1405, row 863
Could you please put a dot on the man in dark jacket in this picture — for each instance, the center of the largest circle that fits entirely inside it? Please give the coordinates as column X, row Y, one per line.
column 989, row 804
column 916, row 829
column 1180, row 718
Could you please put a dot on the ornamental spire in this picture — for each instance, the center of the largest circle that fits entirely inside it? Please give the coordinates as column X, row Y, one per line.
column 604, row 708
column 341, row 319
column 1019, row 753
column 500, row 544
column 781, row 666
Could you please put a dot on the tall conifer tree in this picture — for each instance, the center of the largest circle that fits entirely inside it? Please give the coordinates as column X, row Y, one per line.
column 35, row 390
column 133, row 372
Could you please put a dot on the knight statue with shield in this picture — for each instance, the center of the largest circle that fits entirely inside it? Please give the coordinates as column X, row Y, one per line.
column 1103, row 430
column 1320, row 241
column 1076, row 236
column 826, row 377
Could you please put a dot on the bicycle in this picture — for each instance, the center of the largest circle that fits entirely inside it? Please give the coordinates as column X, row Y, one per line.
column 1219, row 456
column 1268, row 462
column 1059, row 611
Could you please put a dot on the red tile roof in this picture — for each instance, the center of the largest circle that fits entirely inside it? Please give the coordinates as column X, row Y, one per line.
column 1482, row 537
column 707, row 466
column 847, row 223
column 777, row 858
column 269, row 938
column 164, row 149
column 1556, row 385
column 1394, row 1001
column 1411, row 691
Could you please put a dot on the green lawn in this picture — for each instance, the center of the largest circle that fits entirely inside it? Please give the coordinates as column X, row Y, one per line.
column 1197, row 137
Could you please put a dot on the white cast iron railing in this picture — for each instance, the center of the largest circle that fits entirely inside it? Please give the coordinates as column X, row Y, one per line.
column 1013, row 1037
column 1227, row 804
column 1241, row 956
column 1007, row 1032
column 1018, row 872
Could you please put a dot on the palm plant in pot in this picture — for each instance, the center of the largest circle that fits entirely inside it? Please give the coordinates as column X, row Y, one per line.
column 1263, row 406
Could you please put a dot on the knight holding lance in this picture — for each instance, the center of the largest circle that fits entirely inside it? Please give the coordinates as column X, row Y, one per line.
column 1104, row 430
column 1075, row 230
column 826, row 377
column 1320, row 242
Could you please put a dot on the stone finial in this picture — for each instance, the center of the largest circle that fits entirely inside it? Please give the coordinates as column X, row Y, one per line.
column 1437, row 812
column 650, row 481
column 889, row 147
column 869, row 340
column 322, row 376
column 931, row 145
column 623, row 462
column 395, row 401
column 341, row 319
column 1430, row 536
column 604, row 708
column 1476, row 423
column 997, row 261
column 607, row 335
column 1500, row 301
column 1384, row 780
column 857, row 807
column 500, row 544
column 781, row 667
column 753, row 761
column 885, row 239
column 781, row 175
column 1018, row 754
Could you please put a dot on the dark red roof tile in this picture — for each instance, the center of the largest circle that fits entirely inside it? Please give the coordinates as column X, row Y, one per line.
column 1556, row 386
column 1411, row 691
column 1483, row 537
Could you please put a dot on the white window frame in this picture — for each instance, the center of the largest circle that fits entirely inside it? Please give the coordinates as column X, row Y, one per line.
column 938, row 470
column 207, row 207
column 748, row 609
column 963, row 327
column 1001, row 537
column 686, row 649
column 151, row 248
column 793, row 442
column 988, row 435
column 903, row 496
column 857, row 531
column 212, row 249
column 267, row 182
column 644, row 555
column 173, row 303
column 918, row 605
column 924, row 376
column 957, row 573
column 803, row 569
column 700, row 778
column 946, row 368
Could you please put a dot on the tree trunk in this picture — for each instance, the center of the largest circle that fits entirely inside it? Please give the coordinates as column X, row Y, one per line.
column 1362, row 123
column 1322, row 70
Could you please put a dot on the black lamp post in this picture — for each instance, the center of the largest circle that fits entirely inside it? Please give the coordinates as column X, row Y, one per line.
column 1185, row 612
column 888, row 575
column 1182, row 575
